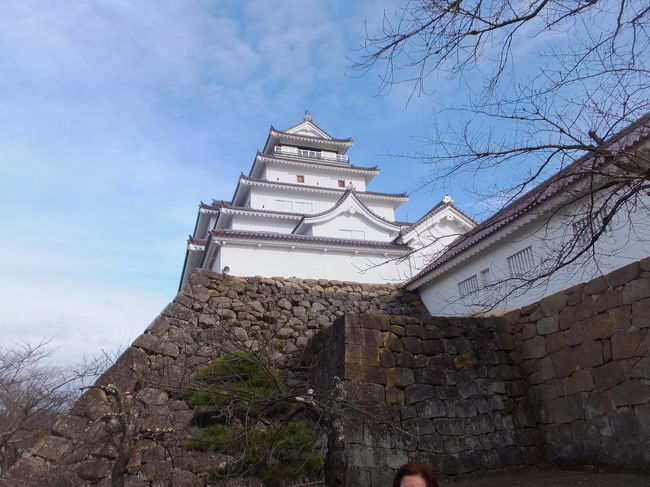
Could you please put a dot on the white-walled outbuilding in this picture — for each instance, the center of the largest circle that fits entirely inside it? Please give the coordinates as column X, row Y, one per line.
column 585, row 221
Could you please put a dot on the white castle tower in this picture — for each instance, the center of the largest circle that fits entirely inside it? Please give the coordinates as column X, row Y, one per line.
column 304, row 211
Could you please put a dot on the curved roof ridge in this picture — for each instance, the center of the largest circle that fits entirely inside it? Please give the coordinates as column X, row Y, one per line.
column 308, row 239
column 437, row 209
column 344, row 196
column 331, row 139
column 296, row 185
column 320, row 162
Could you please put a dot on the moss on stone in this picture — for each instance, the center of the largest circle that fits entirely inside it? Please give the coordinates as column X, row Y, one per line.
column 273, row 445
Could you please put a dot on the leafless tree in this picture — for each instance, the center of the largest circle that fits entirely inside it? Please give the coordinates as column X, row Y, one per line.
column 546, row 87
column 33, row 395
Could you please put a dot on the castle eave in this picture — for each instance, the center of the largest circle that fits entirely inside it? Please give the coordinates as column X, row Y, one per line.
column 225, row 235
column 246, row 180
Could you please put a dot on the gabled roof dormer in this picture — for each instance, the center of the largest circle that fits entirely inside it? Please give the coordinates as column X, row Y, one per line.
column 308, row 128
column 306, row 134
column 348, row 212
column 445, row 213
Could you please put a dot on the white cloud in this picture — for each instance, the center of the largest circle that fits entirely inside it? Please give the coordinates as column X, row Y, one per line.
column 79, row 320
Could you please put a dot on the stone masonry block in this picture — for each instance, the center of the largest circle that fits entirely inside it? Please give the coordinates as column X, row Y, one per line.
column 609, row 300
column 386, row 358
column 641, row 313
column 579, row 381
column 419, row 392
column 602, row 326
column 399, row 376
column 52, row 448
column 368, row 321
column 567, row 317
column 623, row 275
column 596, row 286
column 528, row 330
column 641, row 369
column 608, row 375
column 394, row 395
column 590, row 354
column 393, row 342
column 553, row 304
column 626, row 345
column 365, row 373
column 432, row 347
column 585, row 309
column 365, row 337
column 555, row 342
column 153, row 344
column 547, row 325
column 636, row 290
column 642, row 414
column 432, row 408
column 564, row 362
column 365, row 392
column 566, row 409
column 534, row 348
column 621, row 317
column 546, row 369
column 405, row 359
column 412, row 344
column 575, row 335
column 630, row 392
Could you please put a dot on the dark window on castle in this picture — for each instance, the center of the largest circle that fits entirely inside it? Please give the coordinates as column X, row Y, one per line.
column 341, row 183
column 300, row 178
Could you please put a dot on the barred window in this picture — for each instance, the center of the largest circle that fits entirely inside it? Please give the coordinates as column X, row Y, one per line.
column 585, row 228
column 468, row 286
column 521, row 262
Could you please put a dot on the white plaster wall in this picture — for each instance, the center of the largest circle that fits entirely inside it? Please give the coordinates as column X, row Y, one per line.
column 262, row 224
column 314, row 176
column 628, row 240
column 268, row 261
column 269, row 199
column 336, row 227
column 383, row 208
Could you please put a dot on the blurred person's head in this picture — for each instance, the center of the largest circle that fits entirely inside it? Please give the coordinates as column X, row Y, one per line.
column 415, row 475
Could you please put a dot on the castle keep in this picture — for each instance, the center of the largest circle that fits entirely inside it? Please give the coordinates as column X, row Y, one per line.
column 304, row 210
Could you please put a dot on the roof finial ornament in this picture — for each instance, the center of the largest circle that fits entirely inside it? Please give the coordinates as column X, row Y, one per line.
column 447, row 199
column 307, row 117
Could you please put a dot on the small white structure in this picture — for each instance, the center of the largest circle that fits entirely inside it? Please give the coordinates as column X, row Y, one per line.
column 304, row 211
column 541, row 243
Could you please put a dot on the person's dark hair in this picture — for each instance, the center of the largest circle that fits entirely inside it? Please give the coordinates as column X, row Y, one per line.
column 421, row 469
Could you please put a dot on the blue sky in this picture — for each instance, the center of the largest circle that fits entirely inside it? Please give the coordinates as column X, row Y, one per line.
column 117, row 117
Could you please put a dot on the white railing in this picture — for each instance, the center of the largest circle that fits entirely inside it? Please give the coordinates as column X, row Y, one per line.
column 312, row 154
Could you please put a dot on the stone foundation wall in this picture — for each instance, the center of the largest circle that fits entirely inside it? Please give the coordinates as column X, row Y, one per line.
column 564, row 380
column 442, row 391
column 213, row 314
column 585, row 357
